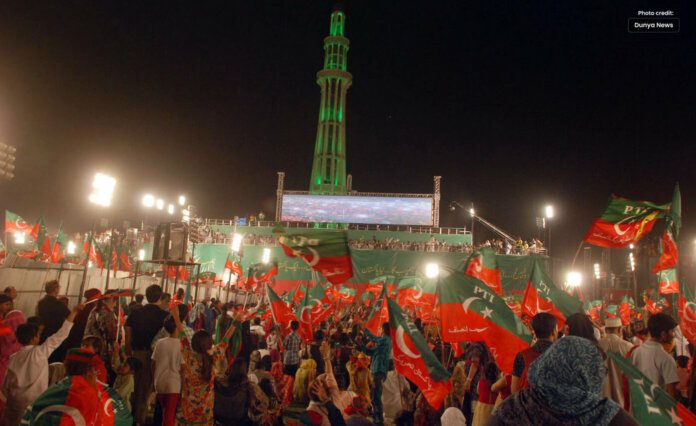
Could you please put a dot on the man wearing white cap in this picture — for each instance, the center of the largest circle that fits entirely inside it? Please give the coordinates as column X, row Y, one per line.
column 613, row 342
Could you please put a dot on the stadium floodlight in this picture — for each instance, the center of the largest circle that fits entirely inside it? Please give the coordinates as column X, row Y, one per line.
column 573, row 279
column 20, row 238
column 102, row 190
column 160, row 204
column 141, row 254
column 7, row 160
column 266, row 257
column 596, row 271
column 182, row 200
column 149, row 201
column 432, row 270
column 185, row 216
column 170, row 209
column 472, row 212
column 237, row 242
column 71, row 247
column 549, row 212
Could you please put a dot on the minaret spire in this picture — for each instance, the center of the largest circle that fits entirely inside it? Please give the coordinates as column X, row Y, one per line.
column 329, row 165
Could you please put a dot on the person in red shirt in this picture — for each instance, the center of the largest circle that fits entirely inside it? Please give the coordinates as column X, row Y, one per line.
column 486, row 396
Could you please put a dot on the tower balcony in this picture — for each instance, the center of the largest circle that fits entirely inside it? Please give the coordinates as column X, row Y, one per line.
column 334, row 73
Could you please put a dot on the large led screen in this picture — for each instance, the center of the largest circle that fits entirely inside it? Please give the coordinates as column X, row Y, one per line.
column 357, row 209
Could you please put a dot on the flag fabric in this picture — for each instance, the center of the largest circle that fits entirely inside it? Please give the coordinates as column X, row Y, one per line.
column 419, row 294
column 674, row 215
column 283, row 315
column 541, row 295
column 471, row 311
column 234, row 266
column 58, row 247
column 261, row 273
column 669, row 255
column 41, row 240
column 624, row 222
column 594, row 310
column 346, row 294
column 611, row 311
column 93, row 251
column 15, row 223
column 74, row 401
column 326, row 252
column 414, row 360
column 114, row 260
column 626, row 310
column 667, row 281
column 379, row 314
column 315, row 306
column 686, row 312
column 650, row 404
column 126, row 264
column 483, row 265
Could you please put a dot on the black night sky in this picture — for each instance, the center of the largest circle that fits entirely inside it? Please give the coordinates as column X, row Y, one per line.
column 515, row 104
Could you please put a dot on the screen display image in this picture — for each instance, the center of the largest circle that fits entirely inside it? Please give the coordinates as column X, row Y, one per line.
column 358, row 209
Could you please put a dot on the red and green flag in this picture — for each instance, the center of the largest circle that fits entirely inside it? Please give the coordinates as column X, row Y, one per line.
column 58, row 247
column 419, row 294
column 74, row 401
column 326, row 252
column 669, row 254
column 541, row 295
column 594, row 310
column 283, row 315
column 41, row 241
column 483, row 265
column 611, row 311
column 624, row 222
column 667, row 281
column 15, row 223
column 261, row 273
column 91, row 248
column 414, row 360
column 686, row 312
column 125, row 259
column 674, row 218
column 471, row 311
column 650, row 404
column 346, row 294
column 315, row 306
column 626, row 309
column 234, row 267
column 379, row 314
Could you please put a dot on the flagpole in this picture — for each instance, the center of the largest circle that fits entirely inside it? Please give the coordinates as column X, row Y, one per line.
column 108, row 265
column 84, row 271
column 576, row 254
column 135, row 277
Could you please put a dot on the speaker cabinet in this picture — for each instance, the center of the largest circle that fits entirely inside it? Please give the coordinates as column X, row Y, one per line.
column 170, row 242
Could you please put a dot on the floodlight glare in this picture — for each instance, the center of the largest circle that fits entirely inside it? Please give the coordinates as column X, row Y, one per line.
column 170, row 209
column 160, row 204
column 596, row 271
column 149, row 201
column 102, row 190
column 141, row 254
column 266, row 257
column 472, row 212
column 71, row 247
column 226, row 275
column 549, row 212
column 432, row 270
column 574, row 279
column 182, row 200
column 237, row 242
column 20, row 238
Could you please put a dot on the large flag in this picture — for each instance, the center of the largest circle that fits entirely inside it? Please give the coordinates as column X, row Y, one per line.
column 74, row 401
column 414, row 359
column 471, row 311
column 379, row 314
column 650, row 404
column 315, row 306
column 58, row 247
column 624, row 222
column 483, row 265
column 326, row 252
column 669, row 255
column 283, row 315
column 261, row 273
column 667, row 281
column 234, row 266
column 686, row 311
column 418, row 294
column 15, row 223
column 541, row 295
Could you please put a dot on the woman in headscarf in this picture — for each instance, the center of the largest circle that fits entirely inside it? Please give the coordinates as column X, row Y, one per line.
column 565, row 389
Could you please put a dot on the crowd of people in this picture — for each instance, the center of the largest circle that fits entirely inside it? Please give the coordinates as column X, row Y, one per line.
column 225, row 364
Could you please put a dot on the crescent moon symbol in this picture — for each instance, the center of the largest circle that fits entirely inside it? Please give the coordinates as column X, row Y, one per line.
column 72, row 412
column 399, row 335
column 315, row 257
column 468, row 302
column 302, row 314
column 539, row 308
column 106, row 407
column 478, row 266
column 617, row 228
column 687, row 316
column 420, row 292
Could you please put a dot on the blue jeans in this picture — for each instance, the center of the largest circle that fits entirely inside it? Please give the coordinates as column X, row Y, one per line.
column 377, row 409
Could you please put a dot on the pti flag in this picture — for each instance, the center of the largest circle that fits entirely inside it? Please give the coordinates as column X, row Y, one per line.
column 58, row 246
column 483, row 265
column 75, row 401
column 419, row 294
column 261, row 273
column 234, row 266
column 346, row 294
column 626, row 310
column 471, row 311
column 315, row 306
column 414, row 359
column 686, row 311
column 624, row 222
column 650, row 404
column 15, row 223
column 667, row 281
column 93, row 252
column 379, row 313
column 281, row 313
column 325, row 251
column 594, row 310
column 669, row 255
column 541, row 295
column 40, row 235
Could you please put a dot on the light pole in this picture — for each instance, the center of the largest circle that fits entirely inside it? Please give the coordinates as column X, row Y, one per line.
column 548, row 214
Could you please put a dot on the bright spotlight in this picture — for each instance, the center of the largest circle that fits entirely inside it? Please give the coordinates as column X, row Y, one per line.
column 182, row 200
column 632, row 261
column 141, row 254
column 574, row 279
column 596, row 271
column 160, row 204
column 102, row 190
column 432, row 270
column 20, row 238
column 71, row 247
column 237, row 242
column 266, row 257
column 472, row 212
column 549, row 211
column 149, row 201
column 226, row 275
column 170, row 209
column 630, row 246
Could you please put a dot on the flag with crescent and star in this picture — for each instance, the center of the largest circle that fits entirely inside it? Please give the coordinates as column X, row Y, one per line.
column 346, row 294
column 15, row 223
column 326, row 252
column 283, row 315
column 234, row 266
column 594, row 310
column 470, row 311
column 650, row 404
column 315, row 306
column 94, row 253
column 483, row 265
column 624, row 222
column 42, row 243
column 379, row 313
column 667, row 281
column 541, row 295
column 261, row 273
column 627, row 308
column 419, row 294
column 414, row 360
column 669, row 254
column 686, row 312
column 74, row 401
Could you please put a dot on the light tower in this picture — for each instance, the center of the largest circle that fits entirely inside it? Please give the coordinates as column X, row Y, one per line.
column 329, row 165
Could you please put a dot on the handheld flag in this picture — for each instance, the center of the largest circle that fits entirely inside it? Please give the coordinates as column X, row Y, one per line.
column 326, row 252
column 541, row 295
column 483, row 265
column 419, row 294
column 15, row 223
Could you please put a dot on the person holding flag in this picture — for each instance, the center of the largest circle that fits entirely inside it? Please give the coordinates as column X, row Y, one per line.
column 380, row 365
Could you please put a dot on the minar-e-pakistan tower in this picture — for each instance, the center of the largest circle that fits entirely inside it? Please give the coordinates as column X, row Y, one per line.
column 329, row 165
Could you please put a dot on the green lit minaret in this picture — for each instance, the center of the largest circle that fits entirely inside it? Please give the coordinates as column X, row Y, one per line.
column 329, row 165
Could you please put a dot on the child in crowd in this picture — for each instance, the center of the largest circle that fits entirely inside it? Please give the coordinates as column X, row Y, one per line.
column 486, row 397
column 94, row 344
column 125, row 384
